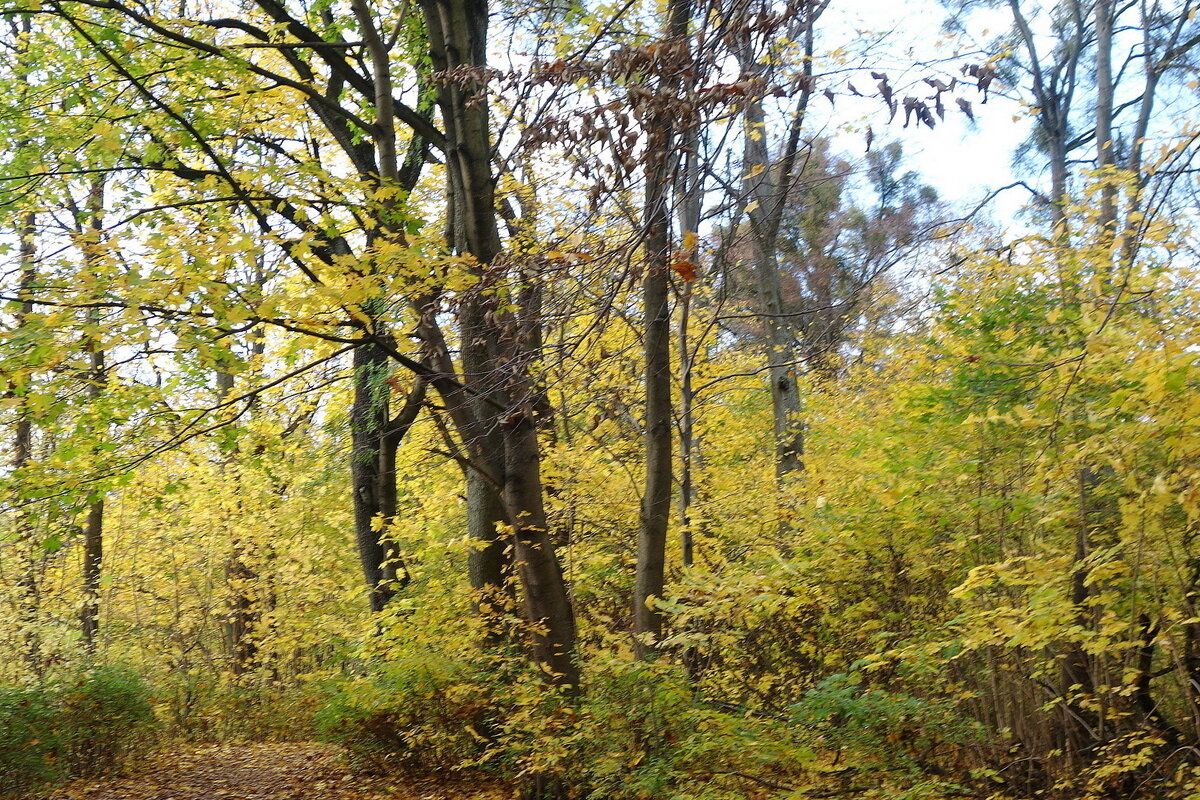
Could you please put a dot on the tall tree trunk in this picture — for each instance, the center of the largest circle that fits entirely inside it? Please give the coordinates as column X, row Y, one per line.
column 656, row 497
column 690, row 206
column 687, row 428
column 244, row 602
column 29, row 599
column 457, row 31
column 24, row 528
column 376, row 437
column 1105, row 161
column 547, row 603
column 97, row 375
column 649, row 576
column 93, row 532
column 781, row 355
column 765, row 189
column 368, row 422
column 1053, row 85
column 241, row 611
column 1078, row 682
column 1079, row 673
column 490, row 561
column 242, row 615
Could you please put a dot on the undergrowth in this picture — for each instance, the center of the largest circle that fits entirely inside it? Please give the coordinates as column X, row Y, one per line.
column 83, row 724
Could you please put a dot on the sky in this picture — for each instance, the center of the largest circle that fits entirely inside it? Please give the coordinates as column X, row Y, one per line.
column 964, row 161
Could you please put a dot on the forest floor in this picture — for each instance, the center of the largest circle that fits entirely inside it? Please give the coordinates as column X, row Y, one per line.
column 272, row 771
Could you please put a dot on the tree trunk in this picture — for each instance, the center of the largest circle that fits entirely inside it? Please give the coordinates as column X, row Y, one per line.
column 97, row 376
column 457, row 32
column 489, row 563
column 691, row 204
column 1105, row 161
column 656, row 498
column 687, row 436
column 375, row 436
column 547, row 604
column 22, row 453
column 765, row 190
column 93, row 562
column 369, row 417
column 649, row 575
column 1077, row 678
column 502, row 394
column 241, row 614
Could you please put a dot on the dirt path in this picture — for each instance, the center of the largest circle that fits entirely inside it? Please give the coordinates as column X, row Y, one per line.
column 261, row 772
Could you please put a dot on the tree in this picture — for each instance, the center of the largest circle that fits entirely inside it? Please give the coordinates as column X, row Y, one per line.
column 660, row 170
column 840, row 242
column 1069, row 75
column 498, row 348
column 765, row 185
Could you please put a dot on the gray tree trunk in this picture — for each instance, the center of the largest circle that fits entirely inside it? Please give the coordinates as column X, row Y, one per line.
column 97, row 376
column 765, row 189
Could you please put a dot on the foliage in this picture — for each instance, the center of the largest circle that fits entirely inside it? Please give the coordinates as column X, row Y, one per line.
column 638, row 732
column 30, row 744
column 343, row 403
column 204, row 708
column 105, row 719
column 874, row 725
column 421, row 714
column 643, row 732
column 89, row 723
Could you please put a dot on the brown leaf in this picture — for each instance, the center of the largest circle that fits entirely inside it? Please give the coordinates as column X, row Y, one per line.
column 965, row 107
column 686, row 269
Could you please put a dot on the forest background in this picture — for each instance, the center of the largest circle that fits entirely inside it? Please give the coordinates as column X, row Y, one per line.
column 594, row 398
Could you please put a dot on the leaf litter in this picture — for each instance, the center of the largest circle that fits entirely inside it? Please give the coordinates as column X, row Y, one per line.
column 267, row 771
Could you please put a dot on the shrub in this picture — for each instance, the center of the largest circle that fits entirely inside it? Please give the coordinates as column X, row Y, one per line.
column 637, row 732
column 885, row 729
column 422, row 713
column 89, row 724
column 260, row 707
column 29, row 741
column 646, row 734
column 106, row 718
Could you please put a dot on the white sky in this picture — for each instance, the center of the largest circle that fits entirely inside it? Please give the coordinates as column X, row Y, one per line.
column 963, row 161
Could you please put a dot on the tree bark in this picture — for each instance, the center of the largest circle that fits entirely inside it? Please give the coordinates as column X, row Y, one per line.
column 781, row 355
column 369, row 420
column 687, row 428
column 690, row 207
column 547, row 604
column 375, row 436
column 656, row 497
column 501, row 432
column 22, row 454
column 97, row 376
column 457, row 32
column 93, row 536
column 649, row 575
column 1105, row 160
column 765, row 189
